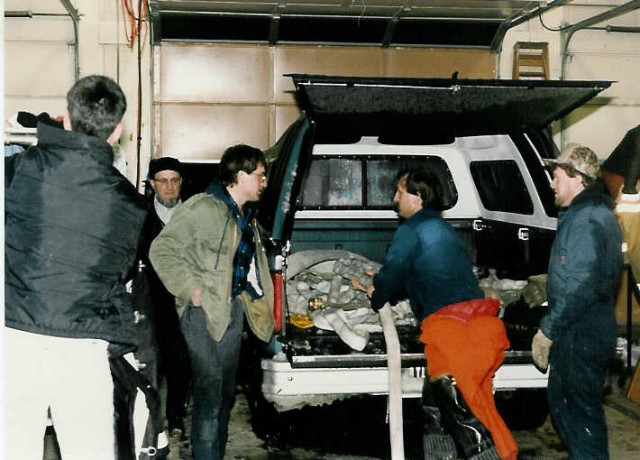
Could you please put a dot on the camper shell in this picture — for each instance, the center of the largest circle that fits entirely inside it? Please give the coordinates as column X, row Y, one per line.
column 329, row 196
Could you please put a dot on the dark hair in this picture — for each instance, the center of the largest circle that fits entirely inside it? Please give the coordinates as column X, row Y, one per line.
column 96, row 104
column 238, row 158
column 425, row 183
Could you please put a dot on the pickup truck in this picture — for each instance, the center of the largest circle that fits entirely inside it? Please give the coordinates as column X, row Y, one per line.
column 329, row 200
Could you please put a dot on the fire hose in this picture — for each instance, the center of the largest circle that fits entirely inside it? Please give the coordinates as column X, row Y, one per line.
column 395, row 383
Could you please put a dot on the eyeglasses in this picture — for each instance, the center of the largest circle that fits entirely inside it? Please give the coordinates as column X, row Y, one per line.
column 164, row 182
column 262, row 175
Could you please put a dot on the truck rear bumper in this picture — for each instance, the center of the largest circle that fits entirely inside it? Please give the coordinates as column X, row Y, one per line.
column 341, row 376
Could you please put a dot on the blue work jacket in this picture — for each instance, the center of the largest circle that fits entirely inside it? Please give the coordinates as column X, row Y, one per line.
column 429, row 264
column 584, row 270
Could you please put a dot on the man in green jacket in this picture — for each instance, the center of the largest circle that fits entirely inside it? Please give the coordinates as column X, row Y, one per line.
column 211, row 258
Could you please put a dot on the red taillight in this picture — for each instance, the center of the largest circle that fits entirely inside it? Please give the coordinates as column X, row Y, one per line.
column 277, row 300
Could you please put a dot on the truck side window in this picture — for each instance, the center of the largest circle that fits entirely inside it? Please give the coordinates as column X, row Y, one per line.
column 501, row 186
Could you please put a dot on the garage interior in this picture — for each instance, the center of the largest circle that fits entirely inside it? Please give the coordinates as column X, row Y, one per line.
column 200, row 75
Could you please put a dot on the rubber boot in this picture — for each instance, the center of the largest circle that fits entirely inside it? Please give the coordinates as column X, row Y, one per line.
column 436, row 443
column 471, row 437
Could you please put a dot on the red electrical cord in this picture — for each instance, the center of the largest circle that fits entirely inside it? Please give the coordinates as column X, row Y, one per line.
column 137, row 21
column 132, row 23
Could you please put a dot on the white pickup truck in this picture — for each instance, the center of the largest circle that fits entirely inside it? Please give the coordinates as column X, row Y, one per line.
column 329, row 198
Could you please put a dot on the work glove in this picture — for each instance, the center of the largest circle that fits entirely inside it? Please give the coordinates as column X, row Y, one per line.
column 540, row 348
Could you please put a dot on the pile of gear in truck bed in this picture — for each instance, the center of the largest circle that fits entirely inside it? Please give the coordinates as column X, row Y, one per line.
column 327, row 316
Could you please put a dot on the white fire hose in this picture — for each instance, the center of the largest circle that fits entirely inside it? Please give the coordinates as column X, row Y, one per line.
column 395, row 383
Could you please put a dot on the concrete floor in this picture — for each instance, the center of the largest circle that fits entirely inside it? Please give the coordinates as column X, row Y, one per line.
column 623, row 418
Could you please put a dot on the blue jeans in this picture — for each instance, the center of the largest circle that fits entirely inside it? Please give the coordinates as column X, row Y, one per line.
column 576, row 378
column 213, row 366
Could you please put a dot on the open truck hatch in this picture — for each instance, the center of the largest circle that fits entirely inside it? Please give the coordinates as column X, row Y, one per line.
column 391, row 108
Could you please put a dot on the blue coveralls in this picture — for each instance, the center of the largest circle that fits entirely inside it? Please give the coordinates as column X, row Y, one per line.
column 584, row 271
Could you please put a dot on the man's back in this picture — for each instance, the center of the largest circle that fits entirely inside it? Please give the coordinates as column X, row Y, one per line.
column 71, row 223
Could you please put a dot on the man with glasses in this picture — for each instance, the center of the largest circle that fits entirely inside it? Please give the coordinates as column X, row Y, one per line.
column 210, row 256
column 165, row 179
column 162, row 350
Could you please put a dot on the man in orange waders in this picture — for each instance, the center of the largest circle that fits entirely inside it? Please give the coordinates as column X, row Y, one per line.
column 464, row 340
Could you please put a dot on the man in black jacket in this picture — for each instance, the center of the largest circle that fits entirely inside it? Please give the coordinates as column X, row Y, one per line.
column 161, row 348
column 165, row 178
column 72, row 226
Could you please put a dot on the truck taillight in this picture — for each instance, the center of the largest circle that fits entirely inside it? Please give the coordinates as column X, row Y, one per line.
column 278, row 304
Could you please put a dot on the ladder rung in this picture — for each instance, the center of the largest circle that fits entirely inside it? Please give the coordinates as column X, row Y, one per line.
column 530, row 60
column 532, row 74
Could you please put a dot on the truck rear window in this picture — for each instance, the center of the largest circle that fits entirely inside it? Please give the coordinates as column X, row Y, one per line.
column 365, row 182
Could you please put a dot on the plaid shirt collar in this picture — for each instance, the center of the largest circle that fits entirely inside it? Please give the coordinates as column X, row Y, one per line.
column 246, row 248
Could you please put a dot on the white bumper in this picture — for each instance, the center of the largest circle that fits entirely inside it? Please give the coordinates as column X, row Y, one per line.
column 288, row 388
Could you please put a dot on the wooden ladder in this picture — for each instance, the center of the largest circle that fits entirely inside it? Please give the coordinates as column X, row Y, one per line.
column 530, row 61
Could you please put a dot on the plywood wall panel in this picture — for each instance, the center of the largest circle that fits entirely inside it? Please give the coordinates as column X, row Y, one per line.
column 330, row 60
column 216, row 73
column 209, row 96
column 438, row 62
column 200, row 132
column 392, row 62
column 285, row 115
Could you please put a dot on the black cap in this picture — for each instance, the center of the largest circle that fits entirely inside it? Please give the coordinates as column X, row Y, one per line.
column 162, row 164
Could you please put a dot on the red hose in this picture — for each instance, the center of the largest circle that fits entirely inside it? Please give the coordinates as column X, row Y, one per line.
column 277, row 301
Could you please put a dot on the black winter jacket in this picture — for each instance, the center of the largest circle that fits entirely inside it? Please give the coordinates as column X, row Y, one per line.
column 162, row 300
column 72, row 227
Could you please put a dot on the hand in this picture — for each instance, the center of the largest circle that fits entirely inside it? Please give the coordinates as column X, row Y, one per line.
column 366, row 289
column 540, row 348
column 358, row 286
column 196, row 298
